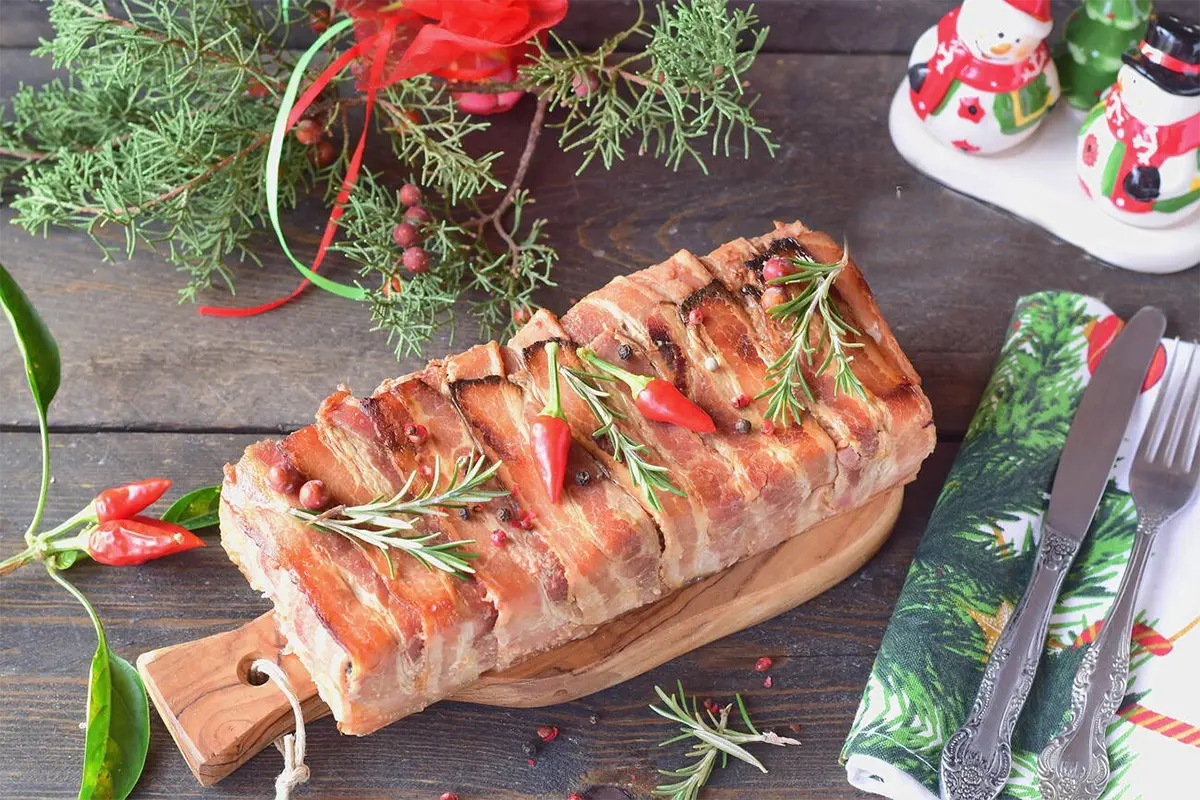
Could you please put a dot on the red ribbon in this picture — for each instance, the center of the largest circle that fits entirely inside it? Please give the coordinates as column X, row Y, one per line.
column 382, row 41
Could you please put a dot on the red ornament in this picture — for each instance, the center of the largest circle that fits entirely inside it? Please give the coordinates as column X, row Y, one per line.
column 971, row 109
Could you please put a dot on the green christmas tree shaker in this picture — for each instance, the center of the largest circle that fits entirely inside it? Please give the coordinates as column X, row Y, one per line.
column 1096, row 35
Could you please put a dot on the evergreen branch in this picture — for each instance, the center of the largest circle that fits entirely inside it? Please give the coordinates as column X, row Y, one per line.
column 381, row 523
column 686, row 85
column 650, row 478
column 714, row 737
column 811, row 306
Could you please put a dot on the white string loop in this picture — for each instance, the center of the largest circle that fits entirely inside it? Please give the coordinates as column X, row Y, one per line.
column 295, row 771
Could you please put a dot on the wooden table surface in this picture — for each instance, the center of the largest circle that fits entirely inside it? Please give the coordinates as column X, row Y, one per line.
column 151, row 388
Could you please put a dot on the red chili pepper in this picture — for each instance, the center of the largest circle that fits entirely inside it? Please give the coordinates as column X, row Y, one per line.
column 126, row 542
column 122, row 502
column 657, row 399
column 550, row 434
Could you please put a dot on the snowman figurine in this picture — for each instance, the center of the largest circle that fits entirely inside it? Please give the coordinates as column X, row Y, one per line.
column 1139, row 151
column 982, row 79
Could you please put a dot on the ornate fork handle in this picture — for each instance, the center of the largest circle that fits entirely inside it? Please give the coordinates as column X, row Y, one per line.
column 1074, row 765
column 977, row 758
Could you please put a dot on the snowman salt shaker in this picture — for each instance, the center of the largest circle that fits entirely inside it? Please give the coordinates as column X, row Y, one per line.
column 1139, row 151
column 982, row 79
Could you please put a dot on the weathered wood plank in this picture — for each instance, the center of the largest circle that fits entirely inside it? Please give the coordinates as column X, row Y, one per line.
column 822, row 650
column 946, row 269
column 797, row 26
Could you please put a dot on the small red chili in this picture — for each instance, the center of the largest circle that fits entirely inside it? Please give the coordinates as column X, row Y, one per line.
column 657, row 399
column 122, row 502
column 128, row 542
column 550, row 434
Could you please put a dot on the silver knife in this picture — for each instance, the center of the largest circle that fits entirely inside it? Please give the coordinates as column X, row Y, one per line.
column 977, row 758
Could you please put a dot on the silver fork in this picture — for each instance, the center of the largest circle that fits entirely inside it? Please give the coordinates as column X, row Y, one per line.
column 1166, row 471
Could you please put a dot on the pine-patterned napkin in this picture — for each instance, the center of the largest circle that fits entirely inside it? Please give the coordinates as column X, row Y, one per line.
column 976, row 556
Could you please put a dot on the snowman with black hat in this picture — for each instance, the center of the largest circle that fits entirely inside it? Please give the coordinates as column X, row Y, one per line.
column 1139, row 151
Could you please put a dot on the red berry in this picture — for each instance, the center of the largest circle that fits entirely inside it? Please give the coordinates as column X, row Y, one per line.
column 547, row 733
column 313, row 496
column 283, row 478
column 324, row 154
column 574, row 796
column 417, row 434
column 393, row 286
column 449, row 796
column 307, row 132
column 320, row 20
column 763, row 664
column 776, row 267
column 405, row 234
column 585, row 84
column 256, row 89
column 741, row 401
column 695, row 316
column 410, row 194
column 499, row 538
column 416, row 260
column 418, row 214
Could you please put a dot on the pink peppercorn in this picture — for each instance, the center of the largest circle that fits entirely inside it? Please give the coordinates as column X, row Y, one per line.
column 426, row 471
column 284, row 478
column 499, row 538
column 547, row 733
column 763, row 664
column 774, row 296
column 449, row 796
column 767, row 683
column 776, row 267
column 741, row 401
column 768, row 427
column 313, row 496
column 695, row 316
column 417, row 434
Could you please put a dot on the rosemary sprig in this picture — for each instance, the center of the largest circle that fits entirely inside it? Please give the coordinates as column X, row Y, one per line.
column 715, row 739
column 785, row 374
column 380, row 523
column 651, row 478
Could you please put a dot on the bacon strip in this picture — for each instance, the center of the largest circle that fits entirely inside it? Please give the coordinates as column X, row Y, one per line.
column 383, row 640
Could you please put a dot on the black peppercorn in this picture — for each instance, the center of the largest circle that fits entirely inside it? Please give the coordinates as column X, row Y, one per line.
column 463, row 513
column 625, row 352
column 530, row 748
column 504, row 514
column 594, row 719
column 583, row 477
column 742, row 425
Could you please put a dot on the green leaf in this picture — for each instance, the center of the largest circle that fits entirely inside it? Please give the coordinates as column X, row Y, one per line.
column 43, row 369
column 118, row 718
column 42, row 365
column 196, row 509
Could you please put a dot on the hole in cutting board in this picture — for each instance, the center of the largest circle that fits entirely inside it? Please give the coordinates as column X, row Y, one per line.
column 249, row 676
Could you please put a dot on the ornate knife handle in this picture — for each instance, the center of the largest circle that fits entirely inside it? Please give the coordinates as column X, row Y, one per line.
column 977, row 758
column 1074, row 765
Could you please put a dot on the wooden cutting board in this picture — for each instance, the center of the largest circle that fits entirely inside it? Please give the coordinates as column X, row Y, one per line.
column 219, row 719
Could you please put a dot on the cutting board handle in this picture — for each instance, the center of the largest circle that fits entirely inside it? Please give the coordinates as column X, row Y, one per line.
column 217, row 711
column 219, row 718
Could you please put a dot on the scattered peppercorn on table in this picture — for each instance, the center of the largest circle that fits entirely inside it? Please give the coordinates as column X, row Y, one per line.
column 152, row 388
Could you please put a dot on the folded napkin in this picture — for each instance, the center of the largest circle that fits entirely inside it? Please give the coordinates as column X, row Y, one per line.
column 976, row 557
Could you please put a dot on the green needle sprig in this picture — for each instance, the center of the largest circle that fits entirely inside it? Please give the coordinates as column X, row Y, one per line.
column 650, row 478
column 787, row 385
column 714, row 739
column 381, row 523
